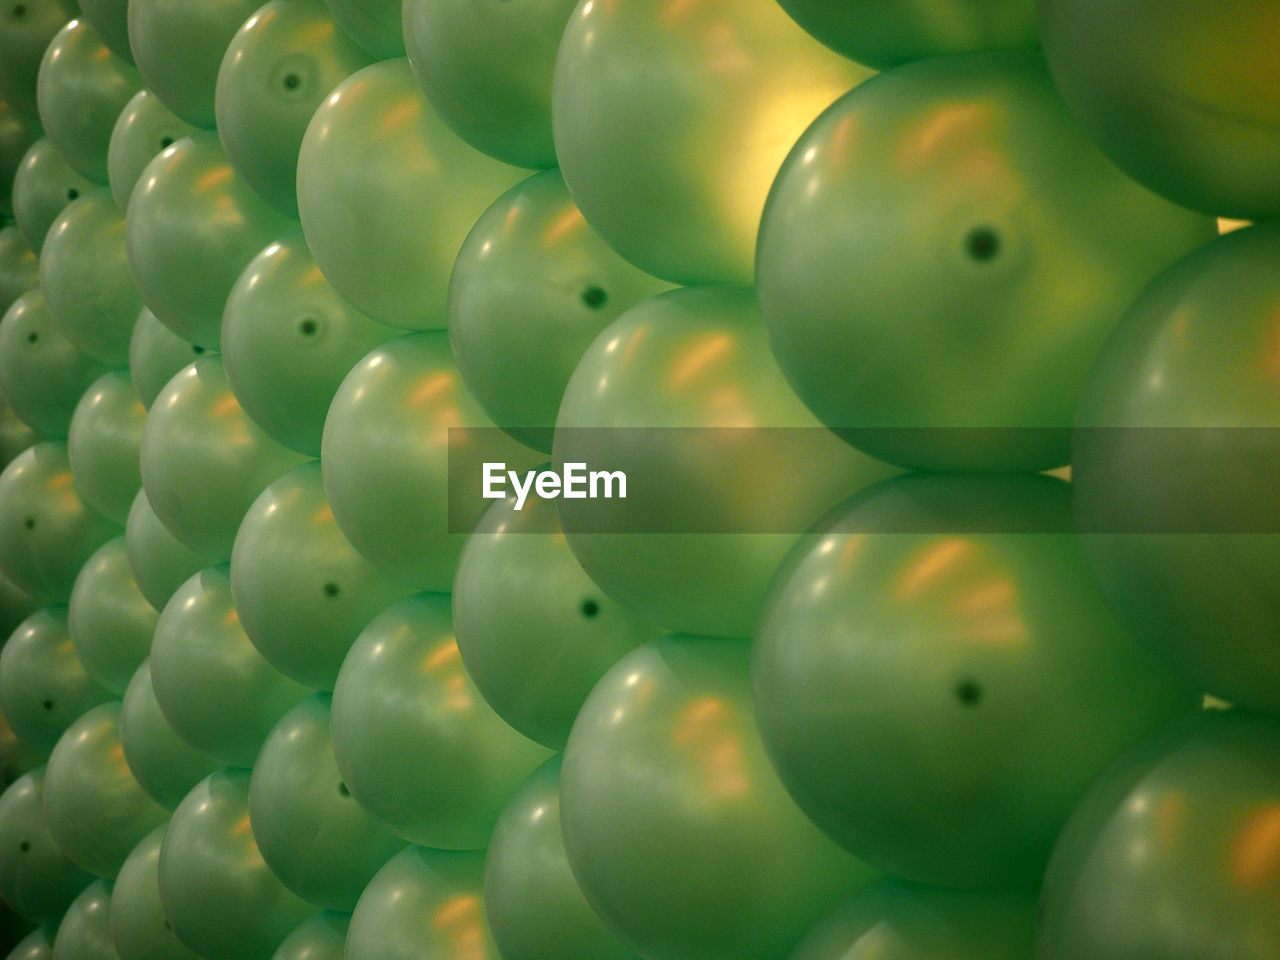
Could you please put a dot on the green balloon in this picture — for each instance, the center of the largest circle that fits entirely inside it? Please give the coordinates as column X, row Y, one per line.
column 36, row 878
column 81, row 90
column 1027, row 245
column 159, row 561
column 42, row 187
column 138, row 923
column 156, row 354
column 302, row 592
column 25, row 33
column 424, row 903
column 110, row 18
column 670, row 126
column 374, row 24
column 16, row 758
column 696, row 358
column 219, row 895
column 144, row 128
column 288, row 339
column 109, row 619
column 415, row 742
column 677, row 829
column 37, row 945
column 15, row 436
column 103, row 444
column 535, row 908
column 85, row 931
column 191, row 207
column 203, row 461
column 377, row 146
column 19, row 269
column 212, row 685
column 164, row 764
column 320, row 843
column 1173, row 853
column 18, row 132
column 42, row 374
column 46, row 531
column 533, row 286
column 386, row 454
column 321, row 937
column 178, row 46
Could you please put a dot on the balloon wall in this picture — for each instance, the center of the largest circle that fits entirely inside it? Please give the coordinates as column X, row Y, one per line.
column 953, row 631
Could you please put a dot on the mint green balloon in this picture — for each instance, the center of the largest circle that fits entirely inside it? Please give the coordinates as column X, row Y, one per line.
column 139, row 927
column 18, row 132
column 144, row 128
column 103, row 444
column 19, row 269
column 109, row 619
column 165, row 765
column 282, row 62
column 377, row 146
column 386, row 453
column 223, row 901
column 415, row 742
column 37, row 945
column 159, row 561
column 156, row 353
column 36, row 878
column 190, row 207
column 671, row 123
column 42, row 374
column 532, row 287
column 320, row 843
column 82, row 88
column 203, row 461
column 374, row 24
column 110, row 18
column 424, row 903
column 677, row 828
column 320, row 937
column 302, row 592
column 534, row 631
column 24, row 37
column 288, row 339
column 212, row 685
column 46, row 531
column 85, row 930
column 535, row 908
column 43, row 185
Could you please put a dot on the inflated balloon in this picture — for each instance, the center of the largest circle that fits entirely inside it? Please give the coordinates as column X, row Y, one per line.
column 159, row 561
column 424, row 903
column 178, row 46
column 415, row 742
column 144, row 128
column 677, row 828
column 36, row 878
column 374, row 24
column 386, row 455
column 302, row 592
column 19, row 270
column 84, row 933
column 164, row 764
column 321, row 937
column 46, row 531
column 18, row 132
column 42, row 187
column 218, row 893
column 109, row 619
column 696, row 358
column 110, row 18
column 534, row 906
column 203, row 461
column 1173, row 853
column 82, row 88
column 156, row 354
column 211, row 683
column 288, row 339
column 376, row 146
column 139, row 927
column 534, row 631
column 42, row 374
column 25, row 34
column 16, row 758
column 37, row 945
column 103, row 444
column 532, row 287
column 15, row 436
column 320, row 843
column 190, row 207
column 671, row 124
column 1025, row 246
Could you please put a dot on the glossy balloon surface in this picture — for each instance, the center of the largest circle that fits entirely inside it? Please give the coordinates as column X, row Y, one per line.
column 23, row 41
column 164, row 764
column 159, row 561
column 144, row 128
column 139, row 927
column 18, row 133
column 19, row 270
column 37, row 945
column 84, row 932
column 321, row 937
column 15, row 606
column 374, row 24
column 109, row 619
column 44, row 184
column 103, row 443
column 156, row 354
column 376, row 146
column 415, row 742
column 110, row 19
column 36, row 878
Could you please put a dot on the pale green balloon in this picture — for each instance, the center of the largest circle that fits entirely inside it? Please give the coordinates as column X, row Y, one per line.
column 84, row 932
column 103, row 444
column 677, row 828
column 44, row 184
column 82, row 88
column 535, row 908
column 139, row 927
column 42, row 374
column 164, row 764
column 415, row 742
column 532, row 287
column 18, row 132
column 15, row 436
column 16, row 758
column 159, row 561
column 374, row 24
column 288, row 339
column 302, row 592
column 19, row 269
column 144, row 128
column 156, row 353
column 37, row 945
column 109, row 619
column 110, row 18
column 377, row 146
column 211, row 683
column 321, row 937
column 23, row 40
column 386, row 458
column 320, row 843
column 36, row 878
column 424, row 903
column 203, row 461
column 218, row 893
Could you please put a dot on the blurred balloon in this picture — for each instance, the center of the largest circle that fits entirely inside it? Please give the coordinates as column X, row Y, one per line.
column 37, row 945
column 109, row 619
column 159, row 561
column 19, row 269
column 320, row 937
column 374, row 24
column 144, row 128
column 190, row 207
column 139, row 927
column 84, row 933
column 18, row 132
column 156, row 354
column 103, row 444
column 375, row 145
column 25, row 33
column 110, row 19
column 36, row 878
column 1026, row 246
column 218, row 893
column 415, row 742
column 288, row 339
column 15, row 436
column 165, row 765
column 16, row 758
column 42, row 187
